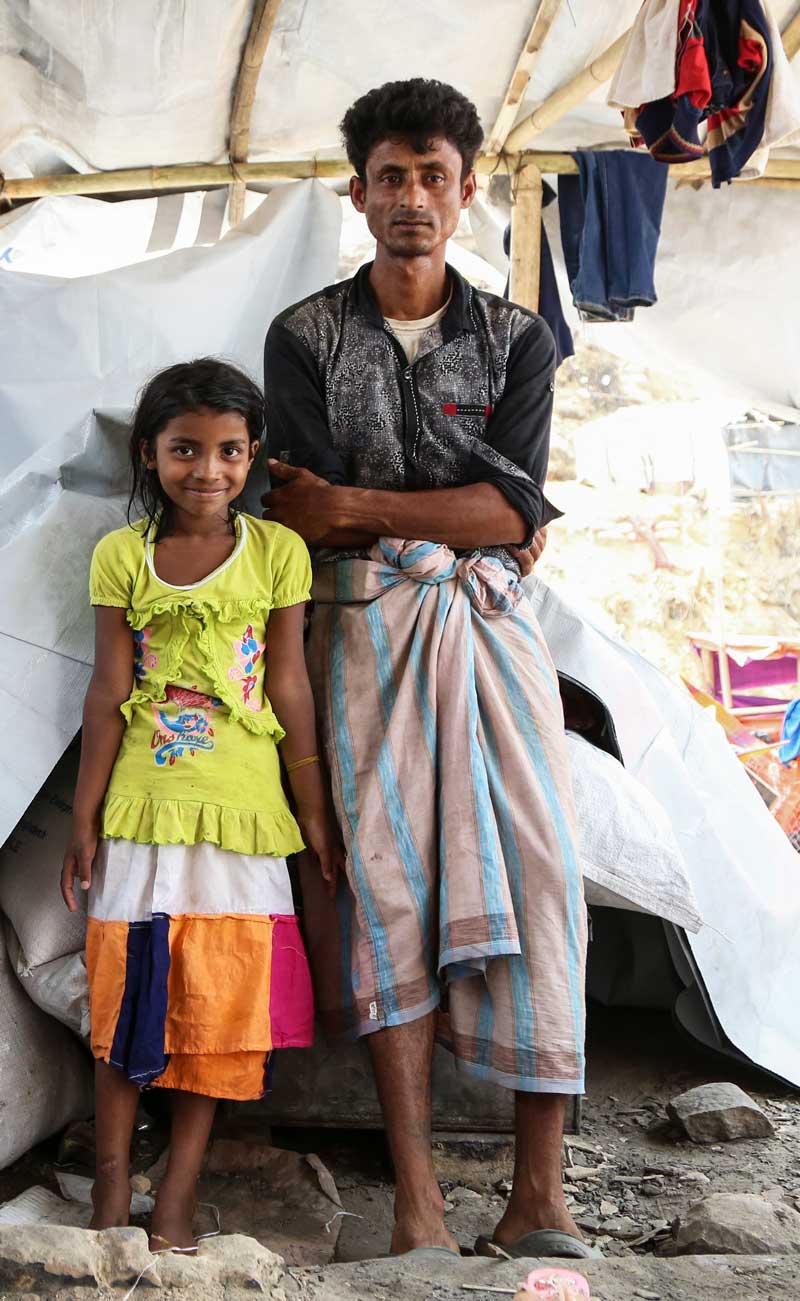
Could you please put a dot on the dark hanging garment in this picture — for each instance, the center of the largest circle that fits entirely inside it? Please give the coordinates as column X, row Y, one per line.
column 736, row 128
column 610, row 224
column 549, row 299
column 723, row 75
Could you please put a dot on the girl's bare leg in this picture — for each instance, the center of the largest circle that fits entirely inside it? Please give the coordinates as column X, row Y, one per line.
column 116, row 1100
column 171, row 1224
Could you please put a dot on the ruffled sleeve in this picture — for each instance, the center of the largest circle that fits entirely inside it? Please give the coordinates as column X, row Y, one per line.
column 291, row 569
column 112, row 575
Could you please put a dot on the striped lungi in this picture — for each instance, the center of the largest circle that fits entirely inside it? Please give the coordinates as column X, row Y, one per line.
column 443, row 731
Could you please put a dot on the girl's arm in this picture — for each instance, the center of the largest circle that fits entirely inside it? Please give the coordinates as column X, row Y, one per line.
column 289, row 692
column 103, row 727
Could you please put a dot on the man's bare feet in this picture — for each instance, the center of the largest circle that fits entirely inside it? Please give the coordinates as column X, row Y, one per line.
column 171, row 1221
column 111, row 1199
column 521, row 1218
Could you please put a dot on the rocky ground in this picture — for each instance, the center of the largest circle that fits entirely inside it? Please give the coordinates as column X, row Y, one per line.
column 633, row 1178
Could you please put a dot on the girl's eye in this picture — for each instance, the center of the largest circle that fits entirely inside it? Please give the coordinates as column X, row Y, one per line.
column 183, row 452
column 230, row 452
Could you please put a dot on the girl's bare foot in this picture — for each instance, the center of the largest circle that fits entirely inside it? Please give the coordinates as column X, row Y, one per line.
column 171, row 1221
column 111, row 1199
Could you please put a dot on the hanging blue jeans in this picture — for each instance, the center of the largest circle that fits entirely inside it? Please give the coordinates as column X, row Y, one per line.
column 610, row 223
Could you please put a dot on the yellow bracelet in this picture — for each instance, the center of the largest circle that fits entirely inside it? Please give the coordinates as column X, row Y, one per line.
column 301, row 763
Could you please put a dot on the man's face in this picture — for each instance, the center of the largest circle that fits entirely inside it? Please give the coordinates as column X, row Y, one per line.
column 412, row 201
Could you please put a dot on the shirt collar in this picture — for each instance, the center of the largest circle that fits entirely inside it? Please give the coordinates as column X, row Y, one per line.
column 457, row 319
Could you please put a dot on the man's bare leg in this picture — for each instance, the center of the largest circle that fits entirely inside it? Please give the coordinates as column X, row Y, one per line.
column 401, row 1061
column 537, row 1195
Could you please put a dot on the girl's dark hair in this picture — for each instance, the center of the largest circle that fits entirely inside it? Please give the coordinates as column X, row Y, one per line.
column 417, row 110
column 189, row 386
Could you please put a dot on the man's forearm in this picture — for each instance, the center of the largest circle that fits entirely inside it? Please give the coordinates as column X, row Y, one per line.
column 474, row 516
column 347, row 538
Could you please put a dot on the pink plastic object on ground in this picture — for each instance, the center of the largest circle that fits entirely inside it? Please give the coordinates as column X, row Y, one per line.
column 555, row 1285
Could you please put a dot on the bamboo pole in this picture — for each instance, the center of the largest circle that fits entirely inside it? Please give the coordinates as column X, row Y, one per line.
column 526, row 237
column 791, row 37
column 187, row 176
column 545, row 16
column 777, row 169
column 244, row 96
column 566, row 97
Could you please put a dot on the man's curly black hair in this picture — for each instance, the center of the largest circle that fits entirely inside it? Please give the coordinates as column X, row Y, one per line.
column 417, row 110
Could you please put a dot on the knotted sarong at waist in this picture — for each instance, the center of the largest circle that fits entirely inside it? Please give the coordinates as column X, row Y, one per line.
column 443, row 730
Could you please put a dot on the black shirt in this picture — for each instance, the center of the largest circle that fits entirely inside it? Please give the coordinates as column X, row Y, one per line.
column 343, row 401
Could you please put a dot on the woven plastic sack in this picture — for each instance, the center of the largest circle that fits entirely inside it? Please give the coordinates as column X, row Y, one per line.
column 30, row 867
column 45, row 1075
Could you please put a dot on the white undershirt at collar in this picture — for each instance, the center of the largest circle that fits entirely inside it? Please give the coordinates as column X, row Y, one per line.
column 409, row 333
column 241, row 526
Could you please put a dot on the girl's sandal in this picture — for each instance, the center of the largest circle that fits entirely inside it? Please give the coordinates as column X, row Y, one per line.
column 170, row 1246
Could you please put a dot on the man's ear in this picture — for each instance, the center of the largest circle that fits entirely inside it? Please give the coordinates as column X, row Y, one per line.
column 358, row 193
column 469, row 189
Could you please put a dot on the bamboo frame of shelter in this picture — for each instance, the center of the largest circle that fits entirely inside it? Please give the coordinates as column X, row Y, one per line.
column 507, row 152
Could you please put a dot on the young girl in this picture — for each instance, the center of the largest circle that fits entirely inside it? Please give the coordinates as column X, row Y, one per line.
column 180, row 828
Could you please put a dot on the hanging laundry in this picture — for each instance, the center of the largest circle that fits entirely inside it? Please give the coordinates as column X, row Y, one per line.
column 647, row 69
column 610, row 218
column 549, row 299
column 743, row 55
column 782, row 126
column 722, row 76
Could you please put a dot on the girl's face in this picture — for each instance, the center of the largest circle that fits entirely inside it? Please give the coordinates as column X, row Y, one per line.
column 202, row 460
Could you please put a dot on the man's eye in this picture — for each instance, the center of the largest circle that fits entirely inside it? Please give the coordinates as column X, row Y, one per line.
column 391, row 180
column 436, row 177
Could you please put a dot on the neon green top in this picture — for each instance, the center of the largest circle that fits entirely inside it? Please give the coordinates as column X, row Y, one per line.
column 198, row 759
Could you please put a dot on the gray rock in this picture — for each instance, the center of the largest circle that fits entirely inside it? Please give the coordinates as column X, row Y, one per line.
column 239, row 1261
column 719, row 1111
column 622, row 1227
column 43, row 1260
column 53, row 1260
column 735, row 1224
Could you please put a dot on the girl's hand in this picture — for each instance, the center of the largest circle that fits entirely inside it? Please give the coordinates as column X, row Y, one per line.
column 78, row 862
column 321, row 835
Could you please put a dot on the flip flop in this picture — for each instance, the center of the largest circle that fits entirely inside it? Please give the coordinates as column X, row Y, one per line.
column 541, row 1242
column 170, row 1247
column 429, row 1253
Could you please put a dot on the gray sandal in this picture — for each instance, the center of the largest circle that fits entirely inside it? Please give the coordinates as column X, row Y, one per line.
column 429, row 1253
column 541, row 1242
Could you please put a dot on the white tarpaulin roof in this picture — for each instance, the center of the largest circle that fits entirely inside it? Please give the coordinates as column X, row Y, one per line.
column 127, row 85
column 124, row 85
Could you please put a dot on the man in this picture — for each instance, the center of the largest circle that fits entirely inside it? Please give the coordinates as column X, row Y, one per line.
column 409, row 417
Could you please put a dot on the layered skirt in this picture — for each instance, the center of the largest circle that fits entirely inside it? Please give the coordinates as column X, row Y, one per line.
column 197, row 969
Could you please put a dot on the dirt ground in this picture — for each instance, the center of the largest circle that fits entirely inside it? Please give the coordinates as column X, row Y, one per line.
column 631, row 1176
column 627, row 1174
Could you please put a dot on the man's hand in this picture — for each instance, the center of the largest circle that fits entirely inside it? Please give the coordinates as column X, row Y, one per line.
column 304, row 502
column 527, row 556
